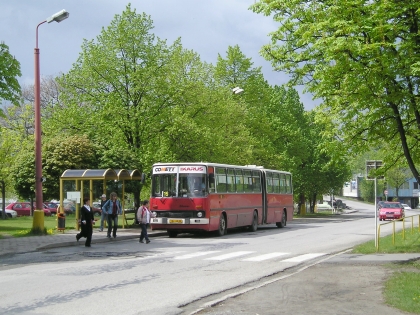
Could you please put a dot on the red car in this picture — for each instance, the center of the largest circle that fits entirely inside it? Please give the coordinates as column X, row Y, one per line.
column 52, row 207
column 391, row 211
column 24, row 208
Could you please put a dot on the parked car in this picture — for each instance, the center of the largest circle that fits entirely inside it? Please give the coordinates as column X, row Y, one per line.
column 69, row 207
column 96, row 211
column 96, row 204
column 24, row 208
column 391, row 211
column 406, row 206
column 52, row 206
column 323, row 207
column 9, row 213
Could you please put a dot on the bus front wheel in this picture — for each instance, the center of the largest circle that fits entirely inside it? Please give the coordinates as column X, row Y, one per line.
column 172, row 233
column 222, row 226
column 282, row 223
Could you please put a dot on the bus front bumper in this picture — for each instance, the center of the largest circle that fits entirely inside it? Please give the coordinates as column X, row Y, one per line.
column 179, row 221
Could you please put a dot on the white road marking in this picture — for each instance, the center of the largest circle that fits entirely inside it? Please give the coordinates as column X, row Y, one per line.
column 265, row 257
column 198, row 254
column 301, row 258
column 228, row 256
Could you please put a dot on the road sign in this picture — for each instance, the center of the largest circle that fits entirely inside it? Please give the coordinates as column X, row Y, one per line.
column 386, row 192
column 373, row 165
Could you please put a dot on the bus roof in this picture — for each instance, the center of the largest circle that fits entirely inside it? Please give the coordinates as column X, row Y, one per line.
column 250, row 167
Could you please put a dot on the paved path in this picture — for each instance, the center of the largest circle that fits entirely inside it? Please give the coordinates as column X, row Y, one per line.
column 17, row 245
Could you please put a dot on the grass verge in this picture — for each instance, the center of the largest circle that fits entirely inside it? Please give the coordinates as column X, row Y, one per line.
column 401, row 290
column 409, row 244
column 22, row 226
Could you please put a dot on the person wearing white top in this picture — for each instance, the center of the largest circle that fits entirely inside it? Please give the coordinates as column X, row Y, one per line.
column 143, row 216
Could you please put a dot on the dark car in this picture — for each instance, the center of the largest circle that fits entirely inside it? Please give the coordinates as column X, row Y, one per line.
column 391, row 211
column 24, row 208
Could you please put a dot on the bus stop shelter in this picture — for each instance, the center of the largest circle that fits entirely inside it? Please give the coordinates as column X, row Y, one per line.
column 104, row 175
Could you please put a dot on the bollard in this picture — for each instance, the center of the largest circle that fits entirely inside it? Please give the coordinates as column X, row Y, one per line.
column 61, row 222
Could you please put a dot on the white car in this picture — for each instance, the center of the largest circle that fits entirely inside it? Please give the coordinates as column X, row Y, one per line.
column 323, row 207
column 10, row 213
column 406, row 206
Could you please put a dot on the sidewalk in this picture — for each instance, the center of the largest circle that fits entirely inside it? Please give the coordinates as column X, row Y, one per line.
column 19, row 245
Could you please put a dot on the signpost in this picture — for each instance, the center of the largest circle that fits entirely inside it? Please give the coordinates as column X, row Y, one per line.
column 370, row 166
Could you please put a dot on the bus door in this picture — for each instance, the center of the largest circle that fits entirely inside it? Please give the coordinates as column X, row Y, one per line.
column 264, row 197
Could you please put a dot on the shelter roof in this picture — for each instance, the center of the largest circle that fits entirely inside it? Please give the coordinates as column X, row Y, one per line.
column 107, row 174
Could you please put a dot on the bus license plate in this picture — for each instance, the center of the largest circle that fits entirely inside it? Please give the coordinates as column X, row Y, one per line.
column 176, row 221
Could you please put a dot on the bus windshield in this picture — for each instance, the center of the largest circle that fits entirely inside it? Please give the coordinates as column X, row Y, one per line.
column 179, row 185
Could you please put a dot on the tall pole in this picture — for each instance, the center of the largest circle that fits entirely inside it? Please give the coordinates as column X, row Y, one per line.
column 38, row 221
column 38, row 155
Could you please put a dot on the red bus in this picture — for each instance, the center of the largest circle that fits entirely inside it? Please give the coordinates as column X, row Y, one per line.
column 188, row 197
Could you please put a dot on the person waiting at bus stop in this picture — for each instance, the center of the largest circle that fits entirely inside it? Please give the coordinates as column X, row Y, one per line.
column 113, row 208
column 104, row 215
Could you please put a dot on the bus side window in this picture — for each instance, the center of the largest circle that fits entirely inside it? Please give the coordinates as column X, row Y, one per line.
column 221, row 180
column 239, row 181
column 247, row 181
column 256, row 181
column 282, row 183
column 276, row 183
column 231, row 180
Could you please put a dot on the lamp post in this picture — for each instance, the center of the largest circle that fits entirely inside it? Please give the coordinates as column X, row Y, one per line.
column 57, row 17
column 237, row 90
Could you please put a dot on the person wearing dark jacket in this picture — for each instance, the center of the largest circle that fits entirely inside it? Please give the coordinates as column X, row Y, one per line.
column 86, row 220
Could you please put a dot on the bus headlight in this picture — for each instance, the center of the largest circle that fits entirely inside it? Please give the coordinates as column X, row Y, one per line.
column 154, row 214
column 200, row 214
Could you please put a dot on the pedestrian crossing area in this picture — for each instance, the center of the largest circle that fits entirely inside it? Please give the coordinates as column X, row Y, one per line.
column 246, row 256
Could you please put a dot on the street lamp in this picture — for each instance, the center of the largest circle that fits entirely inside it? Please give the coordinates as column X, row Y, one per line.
column 237, row 90
column 57, row 17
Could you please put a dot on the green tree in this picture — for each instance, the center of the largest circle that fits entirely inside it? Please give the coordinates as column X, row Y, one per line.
column 362, row 59
column 236, row 70
column 9, row 70
column 142, row 100
column 59, row 154
column 397, row 176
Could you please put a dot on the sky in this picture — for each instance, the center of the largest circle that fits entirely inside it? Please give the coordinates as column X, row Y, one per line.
column 208, row 27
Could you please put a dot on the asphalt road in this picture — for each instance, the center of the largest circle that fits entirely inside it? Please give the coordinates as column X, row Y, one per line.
column 300, row 269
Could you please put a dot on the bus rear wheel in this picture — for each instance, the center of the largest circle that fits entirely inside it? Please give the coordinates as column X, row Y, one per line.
column 222, row 226
column 172, row 234
column 282, row 223
column 254, row 225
